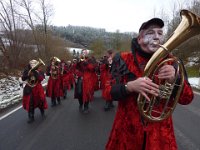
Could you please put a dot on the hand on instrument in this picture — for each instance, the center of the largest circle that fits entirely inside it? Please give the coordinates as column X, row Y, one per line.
column 167, row 72
column 144, row 86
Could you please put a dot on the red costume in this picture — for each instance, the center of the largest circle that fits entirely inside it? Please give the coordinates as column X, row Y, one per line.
column 33, row 94
column 84, row 90
column 103, row 74
column 54, row 86
column 70, row 75
column 88, row 81
column 106, row 79
column 128, row 131
column 64, row 78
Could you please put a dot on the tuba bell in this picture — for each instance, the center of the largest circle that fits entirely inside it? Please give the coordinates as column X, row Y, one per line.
column 55, row 68
column 82, row 58
column 32, row 79
column 161, row 107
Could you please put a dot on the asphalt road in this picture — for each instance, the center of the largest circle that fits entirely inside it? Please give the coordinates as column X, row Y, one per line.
column 187, row 125
column 65, row 128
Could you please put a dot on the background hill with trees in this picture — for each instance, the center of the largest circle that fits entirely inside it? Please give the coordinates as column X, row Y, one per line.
column 26, row 33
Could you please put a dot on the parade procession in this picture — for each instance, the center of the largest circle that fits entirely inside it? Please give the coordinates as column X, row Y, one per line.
column 147, row 99
column 85, row 74
column 71, row 87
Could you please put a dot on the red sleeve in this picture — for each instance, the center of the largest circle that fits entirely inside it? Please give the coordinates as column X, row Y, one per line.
column 187, row 94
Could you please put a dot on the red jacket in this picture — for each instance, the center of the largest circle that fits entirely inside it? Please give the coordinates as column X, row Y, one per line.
column 128, row 132
column 54, row 85
column 37, row 92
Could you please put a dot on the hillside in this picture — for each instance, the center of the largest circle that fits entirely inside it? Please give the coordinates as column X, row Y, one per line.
column 83, row 37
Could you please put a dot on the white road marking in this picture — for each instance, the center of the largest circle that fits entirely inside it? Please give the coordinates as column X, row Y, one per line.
column 9, row 113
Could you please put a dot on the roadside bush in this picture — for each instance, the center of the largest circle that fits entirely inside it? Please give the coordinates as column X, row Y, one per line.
column 193, row 71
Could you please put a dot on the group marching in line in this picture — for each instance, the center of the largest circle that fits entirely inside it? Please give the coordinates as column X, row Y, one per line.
column 121, row 78
column 85, row 74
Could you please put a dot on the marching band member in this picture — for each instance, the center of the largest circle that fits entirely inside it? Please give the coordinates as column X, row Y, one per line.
column 103, row 70
column 86, row 82
column 70, row 73
column 54, row 85
column 64, row 78
column 96, row 74
column 130, row 129
column 106, row 76
column 33, row 93
column 78, row 76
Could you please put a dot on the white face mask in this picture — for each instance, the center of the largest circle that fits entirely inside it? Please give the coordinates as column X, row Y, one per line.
column 110, row 60
column 33, row 63
column 152, row 38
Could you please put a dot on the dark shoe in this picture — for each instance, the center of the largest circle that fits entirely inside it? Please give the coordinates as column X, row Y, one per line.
column 111, row 105
column 43, row 116
column 107, row 106
column 53, row 104
column 65, row 94
column 42, row 113
column 59, row 102
column 85, row 111
column 30, row 120
column 80, row 108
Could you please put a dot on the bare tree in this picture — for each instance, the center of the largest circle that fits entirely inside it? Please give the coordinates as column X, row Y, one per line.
column 44, row 18
column 10, row 22
column 28, row 18
column 173, row 19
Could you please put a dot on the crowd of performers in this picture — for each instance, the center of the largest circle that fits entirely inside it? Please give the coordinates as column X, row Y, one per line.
column 120, row 76
column 85, row 74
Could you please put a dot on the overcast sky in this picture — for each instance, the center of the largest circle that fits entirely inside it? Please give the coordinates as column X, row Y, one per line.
column 112, row 15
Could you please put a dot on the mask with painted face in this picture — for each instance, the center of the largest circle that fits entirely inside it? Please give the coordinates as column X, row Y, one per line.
column 152, row 38
column 110, row 60
column 33, row 63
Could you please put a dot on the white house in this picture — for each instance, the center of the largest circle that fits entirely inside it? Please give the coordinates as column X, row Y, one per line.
column 78, row 50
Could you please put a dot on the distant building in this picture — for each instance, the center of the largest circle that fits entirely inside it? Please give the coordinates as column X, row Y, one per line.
column 78, row 51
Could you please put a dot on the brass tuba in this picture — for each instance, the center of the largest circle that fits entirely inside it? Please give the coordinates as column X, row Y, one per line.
column 55, row 68
column 32, row 79
column 82, row 58
column 152, row 110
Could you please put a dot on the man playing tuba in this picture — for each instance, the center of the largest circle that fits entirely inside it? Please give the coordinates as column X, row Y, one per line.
column 130, row 129
column 54, row 86
column 33, row 93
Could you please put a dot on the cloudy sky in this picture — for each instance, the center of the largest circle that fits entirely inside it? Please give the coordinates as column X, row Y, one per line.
column 112, row 15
